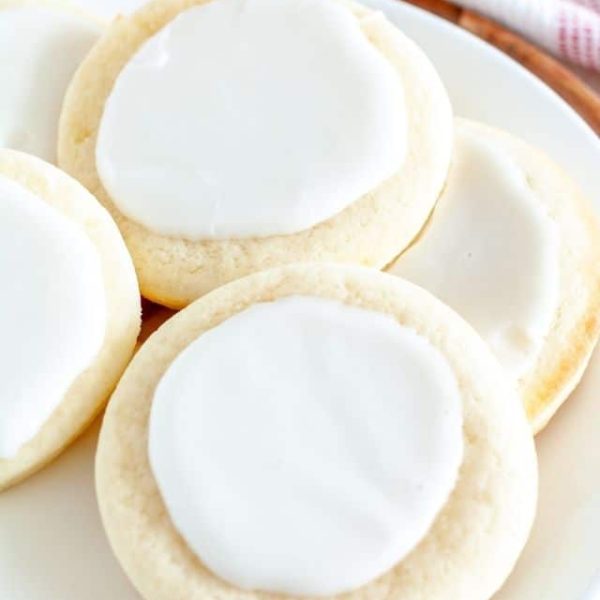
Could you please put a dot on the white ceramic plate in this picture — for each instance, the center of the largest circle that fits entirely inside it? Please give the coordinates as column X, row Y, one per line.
column 52, row 546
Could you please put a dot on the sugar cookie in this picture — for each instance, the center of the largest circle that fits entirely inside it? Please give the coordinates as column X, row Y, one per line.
column 70, row 312
column 288, row 131
column 514, row 248
column 316, row 429
column 46, row 41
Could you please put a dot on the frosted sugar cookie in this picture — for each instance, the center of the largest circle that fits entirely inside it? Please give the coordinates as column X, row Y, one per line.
column 228, row 137
column 69, row 312
column 316, row 430
column 514, row 248
column 42, row 43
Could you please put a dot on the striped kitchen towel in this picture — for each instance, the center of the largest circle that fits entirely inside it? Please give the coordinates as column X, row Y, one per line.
column 568, row 28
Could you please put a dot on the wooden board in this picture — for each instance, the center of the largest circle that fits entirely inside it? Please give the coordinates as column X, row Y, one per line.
column 568, row 85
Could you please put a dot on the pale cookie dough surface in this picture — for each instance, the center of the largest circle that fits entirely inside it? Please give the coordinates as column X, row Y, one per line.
column 475, row 540
column 46, row 41
column 92, row 387
column 573, row 325
column 370, row 232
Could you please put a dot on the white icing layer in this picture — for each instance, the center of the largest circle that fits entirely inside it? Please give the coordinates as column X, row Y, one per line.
column 250, row 118
column 305, row 446
column 491, row 252
column 52, row 312
column 40, row 48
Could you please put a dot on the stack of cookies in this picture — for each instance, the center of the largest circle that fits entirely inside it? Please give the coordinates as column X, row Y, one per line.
column 379, row 303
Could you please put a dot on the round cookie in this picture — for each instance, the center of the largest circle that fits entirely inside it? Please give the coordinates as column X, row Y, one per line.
column 46, row 40
column 174, row 270
column 513, row 247
column 45, row 200
column 473, row 541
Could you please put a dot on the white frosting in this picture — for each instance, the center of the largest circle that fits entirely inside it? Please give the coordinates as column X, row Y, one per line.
column 491, row 252
column 40, row 48
column 250, row 118
column 52, row 311
column 305, row 446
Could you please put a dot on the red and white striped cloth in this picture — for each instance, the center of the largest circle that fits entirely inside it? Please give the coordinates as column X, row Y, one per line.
column 568, row 28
